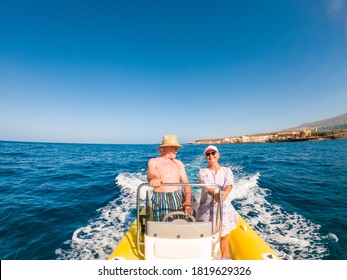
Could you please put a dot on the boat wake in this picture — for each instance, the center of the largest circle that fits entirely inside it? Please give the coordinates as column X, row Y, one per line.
column 97, row 239
column 292, row 236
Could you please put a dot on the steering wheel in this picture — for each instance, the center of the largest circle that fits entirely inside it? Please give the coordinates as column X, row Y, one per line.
column 177, row 213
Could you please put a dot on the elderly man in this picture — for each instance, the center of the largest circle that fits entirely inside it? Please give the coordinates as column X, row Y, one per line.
column 168, row 169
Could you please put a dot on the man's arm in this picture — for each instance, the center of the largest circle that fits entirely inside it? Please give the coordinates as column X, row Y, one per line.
column 154, row 181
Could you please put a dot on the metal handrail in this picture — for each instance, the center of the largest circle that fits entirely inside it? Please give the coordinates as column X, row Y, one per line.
column 138, row 229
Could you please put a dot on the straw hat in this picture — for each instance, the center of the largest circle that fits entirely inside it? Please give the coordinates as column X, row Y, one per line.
column 170, row 141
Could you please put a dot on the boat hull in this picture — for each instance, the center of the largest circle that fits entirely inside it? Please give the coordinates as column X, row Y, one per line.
column 246, row 244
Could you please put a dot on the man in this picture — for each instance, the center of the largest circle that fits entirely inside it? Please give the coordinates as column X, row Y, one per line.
column 168, row 169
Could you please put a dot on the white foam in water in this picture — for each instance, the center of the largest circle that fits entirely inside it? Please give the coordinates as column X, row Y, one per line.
column 97, row 239
column 244, row 186
column 291, row 235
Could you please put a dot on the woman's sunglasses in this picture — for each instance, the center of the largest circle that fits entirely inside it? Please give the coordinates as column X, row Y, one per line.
column 212, row 153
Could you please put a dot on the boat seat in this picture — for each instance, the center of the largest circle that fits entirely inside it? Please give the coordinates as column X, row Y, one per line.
column 178, row 240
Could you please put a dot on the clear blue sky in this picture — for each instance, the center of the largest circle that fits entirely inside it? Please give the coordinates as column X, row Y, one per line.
column 130, row 71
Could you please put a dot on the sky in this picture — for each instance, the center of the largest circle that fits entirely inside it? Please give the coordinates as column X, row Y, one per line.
column 120, row 72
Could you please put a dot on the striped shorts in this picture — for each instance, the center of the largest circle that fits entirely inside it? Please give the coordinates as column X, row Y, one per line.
column 166, row 202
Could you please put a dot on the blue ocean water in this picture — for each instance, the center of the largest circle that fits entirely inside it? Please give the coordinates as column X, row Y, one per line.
column 75, row 201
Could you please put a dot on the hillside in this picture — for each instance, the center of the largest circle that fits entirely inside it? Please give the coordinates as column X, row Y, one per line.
column 332, row 128
column 339, row 122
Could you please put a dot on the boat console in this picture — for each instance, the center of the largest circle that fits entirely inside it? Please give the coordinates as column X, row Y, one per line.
column 177, row 235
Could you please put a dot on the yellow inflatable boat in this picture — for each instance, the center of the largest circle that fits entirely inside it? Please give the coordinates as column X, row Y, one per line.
column 185, row 237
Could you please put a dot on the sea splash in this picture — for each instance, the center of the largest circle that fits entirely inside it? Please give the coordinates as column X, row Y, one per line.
column 97, row 239
column 289, row 234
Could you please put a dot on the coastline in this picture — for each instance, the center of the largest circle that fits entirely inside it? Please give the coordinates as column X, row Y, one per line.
column 280, row 136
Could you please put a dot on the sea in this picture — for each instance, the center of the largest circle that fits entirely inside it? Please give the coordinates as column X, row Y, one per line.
column 75, row 201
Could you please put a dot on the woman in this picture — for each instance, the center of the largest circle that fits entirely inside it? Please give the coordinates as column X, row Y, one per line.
column 223, row 176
